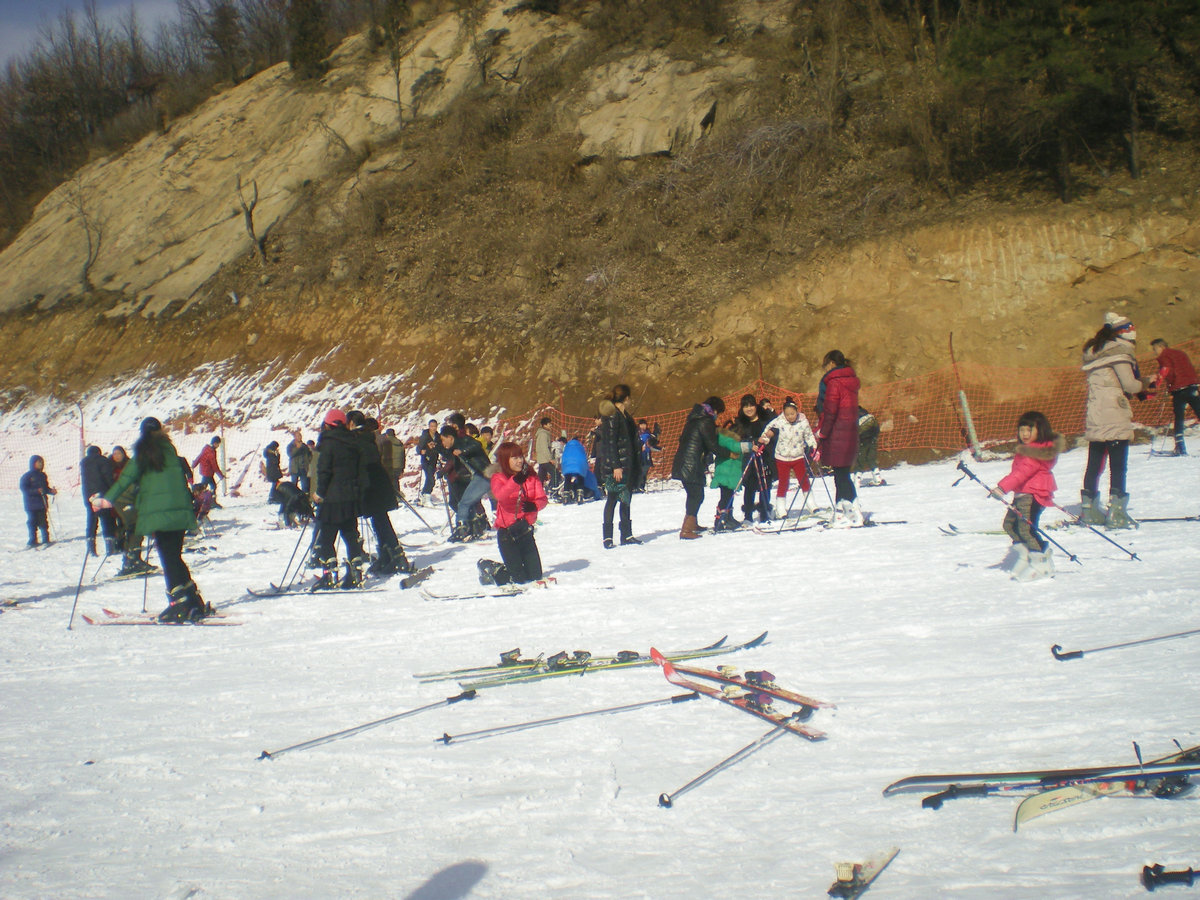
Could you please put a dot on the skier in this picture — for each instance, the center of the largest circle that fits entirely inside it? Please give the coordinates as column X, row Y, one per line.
column 697, row 444
column 299, row 457
column 428, row 445
column 378, row 498
column 35, row 488
column 519, row 496
column 465, row 464
column 391, row 454
column 208, row 467
column 1112, row 378
column 575, row 472
column 543, row 453
column 341, row 482
column 96, row 477
column 1176, row 373
column 617, row 462
column 727, row 475
column 1033, row 485
column 793, row 438
column 838, row 434
column 867, row 463
column 129, row 542
column 751, row 424
column 272, row 469
column 164, row 509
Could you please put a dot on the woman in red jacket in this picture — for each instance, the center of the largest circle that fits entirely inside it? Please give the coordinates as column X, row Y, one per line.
column 837, row 434
column 519, row 495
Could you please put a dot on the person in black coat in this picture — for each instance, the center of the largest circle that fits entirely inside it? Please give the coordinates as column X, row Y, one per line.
column 272, row 469
column 618, row 461
column 379, row 498
column 35, row 489
column 756, row 483
column 466, row 462
column 96, row 477
column 341, row 484
column 697, row 445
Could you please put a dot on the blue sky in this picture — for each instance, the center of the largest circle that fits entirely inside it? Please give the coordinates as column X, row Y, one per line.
column 19, row 19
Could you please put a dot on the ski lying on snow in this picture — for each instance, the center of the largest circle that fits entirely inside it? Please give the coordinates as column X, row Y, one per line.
column 952, row 530
column 412, row 579
column 116, row 618
column 975, row 784
column 507, row 591
column 853, row 879
column 306, row 588
column 753, row 682
column 582, row 663
column 744, row 703
column 1045, row 802
column 511, row 661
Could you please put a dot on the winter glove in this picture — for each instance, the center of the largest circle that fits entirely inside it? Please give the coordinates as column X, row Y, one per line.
column 745, row 446
column 528, row 506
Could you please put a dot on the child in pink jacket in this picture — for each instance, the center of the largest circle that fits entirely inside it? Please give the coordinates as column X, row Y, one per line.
column 1032, row 484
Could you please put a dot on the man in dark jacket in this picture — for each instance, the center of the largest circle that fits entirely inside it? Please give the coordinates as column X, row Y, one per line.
column 466, row 462
column 96, row 477
column 697, row 445
column 35, row 489
column 299, row 458
column 341, row 483
column 379, row 498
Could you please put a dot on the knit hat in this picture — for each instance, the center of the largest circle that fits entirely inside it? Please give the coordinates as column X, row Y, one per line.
column 334, row 417
column 1121, row 325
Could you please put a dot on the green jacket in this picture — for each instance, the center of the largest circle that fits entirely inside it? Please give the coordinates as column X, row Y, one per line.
column 163, row 501
column 728, row 471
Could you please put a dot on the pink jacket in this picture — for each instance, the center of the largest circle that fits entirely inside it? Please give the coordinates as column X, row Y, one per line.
column 510, row 494
column 1031, row 470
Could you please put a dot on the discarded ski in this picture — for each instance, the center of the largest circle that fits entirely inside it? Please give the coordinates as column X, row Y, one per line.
column 853, row 879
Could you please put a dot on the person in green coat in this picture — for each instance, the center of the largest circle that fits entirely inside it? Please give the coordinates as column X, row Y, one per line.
column 727, row 475
column 164, row 510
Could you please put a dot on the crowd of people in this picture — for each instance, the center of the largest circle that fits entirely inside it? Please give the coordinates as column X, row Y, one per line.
column 353, row 471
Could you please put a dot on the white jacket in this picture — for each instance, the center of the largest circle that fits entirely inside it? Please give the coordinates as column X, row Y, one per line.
column 794, row 437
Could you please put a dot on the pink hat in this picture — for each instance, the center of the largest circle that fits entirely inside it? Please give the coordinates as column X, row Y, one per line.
column 335, row 417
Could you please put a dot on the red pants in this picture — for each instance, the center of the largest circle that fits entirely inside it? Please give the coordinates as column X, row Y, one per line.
column 783, row 467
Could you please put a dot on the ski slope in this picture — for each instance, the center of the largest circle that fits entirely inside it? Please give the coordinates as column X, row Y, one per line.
column 131, row 755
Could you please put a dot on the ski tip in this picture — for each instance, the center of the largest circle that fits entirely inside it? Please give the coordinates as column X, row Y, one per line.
column 88, row 619
column 758, row 641
column 660, row 660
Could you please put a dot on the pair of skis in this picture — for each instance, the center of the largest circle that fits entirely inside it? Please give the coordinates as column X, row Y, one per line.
column 275, row 590
column 1056, row 789
column 116, row 618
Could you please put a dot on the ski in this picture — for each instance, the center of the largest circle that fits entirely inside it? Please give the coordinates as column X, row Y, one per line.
column 747, row 703
column 153, row 570
column 952, row 530
column 311, row 588
column 118, row 619
column 582, row 663
column 1045, row 802
column 1182, row 762
column 755, row 683
column 506, row 591
column 853, row 879
column 412, row 579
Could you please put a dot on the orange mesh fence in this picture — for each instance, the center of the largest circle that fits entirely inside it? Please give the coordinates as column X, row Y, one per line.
column 918, row 414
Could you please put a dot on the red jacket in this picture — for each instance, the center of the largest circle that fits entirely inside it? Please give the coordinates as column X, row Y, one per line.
column 1031, row 470
column 1175, row 370
column 838, row 430
column 206, row 462
column 510, row 494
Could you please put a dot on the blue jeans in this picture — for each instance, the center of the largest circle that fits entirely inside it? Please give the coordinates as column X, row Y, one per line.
column 474, row 492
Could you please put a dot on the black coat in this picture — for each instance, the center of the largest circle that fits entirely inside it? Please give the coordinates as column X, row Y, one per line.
column 96, row 471
column 696, row 445
column 271, row 462
column 380, row 495
column 471, row 461
column 341, row 475
column 618, row 445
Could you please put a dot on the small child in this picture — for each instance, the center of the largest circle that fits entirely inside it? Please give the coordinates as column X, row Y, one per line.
column 727, row 475
column 795, row 441
column 35, row 490
column 1038, row 447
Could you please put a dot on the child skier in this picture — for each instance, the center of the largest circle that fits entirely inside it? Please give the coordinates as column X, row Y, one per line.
column 1038, row 447
column 795, row 440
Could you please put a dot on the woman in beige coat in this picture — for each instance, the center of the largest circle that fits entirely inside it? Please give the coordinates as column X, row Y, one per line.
column 1112, row 378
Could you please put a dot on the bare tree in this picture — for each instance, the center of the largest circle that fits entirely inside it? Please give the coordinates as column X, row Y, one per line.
column 93, row 230
column 248, row 219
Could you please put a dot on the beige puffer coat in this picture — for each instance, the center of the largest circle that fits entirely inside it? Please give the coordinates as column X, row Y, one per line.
column 1112, row 379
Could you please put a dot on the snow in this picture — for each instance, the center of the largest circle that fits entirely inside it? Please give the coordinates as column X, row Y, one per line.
column 131, row 762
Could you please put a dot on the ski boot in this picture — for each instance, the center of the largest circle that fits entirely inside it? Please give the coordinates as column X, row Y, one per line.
column 1091, row 513
column 779, row 509
column 1041, row 565
column 480, row 525
column 356, row 570
column 327, row 580
column 492, row 572
column 400, row 562
column 186, row 605
column 1117, row 516
column 1021, row 564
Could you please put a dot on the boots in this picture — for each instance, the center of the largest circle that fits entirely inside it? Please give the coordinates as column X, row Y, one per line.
column 607, row 534
column 492, row 572
column 186, row 605
column 688, row 532
column 1041, row 565
column 1021, row 566
column 328, row 577
column 725, row 521
column 1117, row 516
column 91, row 542
column 780, row 508
column 1091, row 513
column 356, row 569
column 110, row 546
column 847, row 514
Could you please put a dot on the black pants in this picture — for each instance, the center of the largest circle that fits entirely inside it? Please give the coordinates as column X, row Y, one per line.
column 843, row 484
column 694, row 494
column 519, row 551
column 1021, row 531
column 1180, row 401
column 756, row 487
column 427, row 482
column 725, row 504
column 38, row 521
column 1117, row 454
column 385, row 534
column 103, row 519
column 611, row 502
column 327, row 535
column 170, row 555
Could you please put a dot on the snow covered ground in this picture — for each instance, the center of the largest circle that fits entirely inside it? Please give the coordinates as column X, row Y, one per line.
column 130, row 755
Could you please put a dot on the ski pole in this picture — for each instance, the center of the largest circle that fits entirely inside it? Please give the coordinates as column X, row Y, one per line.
column 508, row 729
column 446, row 499
column 79, row 587
column 1057, row 649
column 668, row 800
column 1078, row 520
column 295, row 550
column 338, row 735
column 146, row 577
column 967, row 473
column 820, row 474
column 1157, row 875
column 413, row 510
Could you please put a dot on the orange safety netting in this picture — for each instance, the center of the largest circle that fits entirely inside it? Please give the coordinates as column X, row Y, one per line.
column 915, row 415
